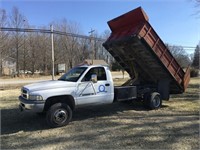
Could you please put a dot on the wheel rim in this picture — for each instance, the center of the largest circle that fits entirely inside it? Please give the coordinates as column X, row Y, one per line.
column 156, row 101
column 60, row 116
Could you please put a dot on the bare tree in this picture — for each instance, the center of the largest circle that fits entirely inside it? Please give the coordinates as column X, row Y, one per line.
column 84, row 48
column 108, row 57
column 61, row 43
column 33, row 43
column 196, row 61
column 17, row 21
column 70, row 52
column 197, row 6
column 45, row 53
column 180, row 55
column 74, row 55
column 3, row 39
column 32, row 51
column 24, row 52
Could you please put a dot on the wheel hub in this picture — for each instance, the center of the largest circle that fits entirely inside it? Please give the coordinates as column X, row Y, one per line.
column 156, row 101
column 60, row 116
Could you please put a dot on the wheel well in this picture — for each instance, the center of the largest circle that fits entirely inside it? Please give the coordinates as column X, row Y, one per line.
column 67, row 99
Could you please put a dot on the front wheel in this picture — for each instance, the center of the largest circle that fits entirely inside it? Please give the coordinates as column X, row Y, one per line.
column 153, row 101
column 58, row 115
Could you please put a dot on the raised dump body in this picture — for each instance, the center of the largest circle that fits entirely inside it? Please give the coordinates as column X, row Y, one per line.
column 139, row 50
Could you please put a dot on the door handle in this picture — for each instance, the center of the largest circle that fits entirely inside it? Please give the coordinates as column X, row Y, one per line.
column 107, row 84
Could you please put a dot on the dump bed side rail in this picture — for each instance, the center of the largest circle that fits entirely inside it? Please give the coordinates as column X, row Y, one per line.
column 134, row 26
column 162, row 52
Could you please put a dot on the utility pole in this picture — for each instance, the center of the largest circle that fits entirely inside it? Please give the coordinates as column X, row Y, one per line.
column 52, row 51
column 92, row 43
column 24, row 63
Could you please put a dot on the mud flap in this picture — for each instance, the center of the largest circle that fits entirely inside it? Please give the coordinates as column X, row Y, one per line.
column 164, row 89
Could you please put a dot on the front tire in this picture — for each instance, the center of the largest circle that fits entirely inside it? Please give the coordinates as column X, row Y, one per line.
column 59, row 114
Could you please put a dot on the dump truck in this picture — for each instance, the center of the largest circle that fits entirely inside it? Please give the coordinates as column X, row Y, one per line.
column 140, row 51
column 154, row 75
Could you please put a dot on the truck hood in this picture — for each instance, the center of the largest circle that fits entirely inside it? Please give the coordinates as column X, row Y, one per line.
column 45, row 85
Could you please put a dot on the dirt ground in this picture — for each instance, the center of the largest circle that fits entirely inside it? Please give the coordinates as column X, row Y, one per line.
column 114, row 126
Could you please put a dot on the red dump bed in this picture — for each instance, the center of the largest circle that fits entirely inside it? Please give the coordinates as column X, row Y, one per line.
column 137, row 47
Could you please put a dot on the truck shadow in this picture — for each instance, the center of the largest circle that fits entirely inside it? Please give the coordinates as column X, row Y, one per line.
column 13, row 121
column 105, row 110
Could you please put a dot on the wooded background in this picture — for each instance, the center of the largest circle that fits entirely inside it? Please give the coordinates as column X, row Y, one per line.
column 31, row 51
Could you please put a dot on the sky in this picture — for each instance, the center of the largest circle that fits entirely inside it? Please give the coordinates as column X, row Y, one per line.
column 173, row 20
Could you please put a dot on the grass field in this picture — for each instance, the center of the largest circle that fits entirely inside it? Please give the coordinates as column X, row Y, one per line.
column 114, row 126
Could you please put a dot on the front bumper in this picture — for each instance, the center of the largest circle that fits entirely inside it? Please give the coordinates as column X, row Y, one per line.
column 29, row 105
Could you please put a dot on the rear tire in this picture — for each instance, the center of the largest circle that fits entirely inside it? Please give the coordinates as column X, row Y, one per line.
column 152, row 101
column 59, row 114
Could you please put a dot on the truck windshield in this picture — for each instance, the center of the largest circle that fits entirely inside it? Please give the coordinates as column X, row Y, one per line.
column 73, row 75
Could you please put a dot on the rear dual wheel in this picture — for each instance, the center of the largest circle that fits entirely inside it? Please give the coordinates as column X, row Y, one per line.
column 152, row 101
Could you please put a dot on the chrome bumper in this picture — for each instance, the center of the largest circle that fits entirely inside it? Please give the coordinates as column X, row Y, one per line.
column 32, row 106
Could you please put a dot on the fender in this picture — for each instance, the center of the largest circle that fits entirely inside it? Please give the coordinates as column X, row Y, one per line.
column 68, row 99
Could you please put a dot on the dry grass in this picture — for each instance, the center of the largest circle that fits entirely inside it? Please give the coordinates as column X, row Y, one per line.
column 9, row 98
column 118, row 82
column 188, row 101
column 115, row 126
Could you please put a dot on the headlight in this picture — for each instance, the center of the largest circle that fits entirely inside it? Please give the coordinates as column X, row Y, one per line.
column 35, row 97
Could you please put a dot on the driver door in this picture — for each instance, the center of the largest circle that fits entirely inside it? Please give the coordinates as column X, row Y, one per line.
column 91, row 93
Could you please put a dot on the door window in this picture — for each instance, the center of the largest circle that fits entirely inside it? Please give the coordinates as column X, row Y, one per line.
column 99, row 71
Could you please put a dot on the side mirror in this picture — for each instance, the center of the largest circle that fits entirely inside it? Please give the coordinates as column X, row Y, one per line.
column 94, row 78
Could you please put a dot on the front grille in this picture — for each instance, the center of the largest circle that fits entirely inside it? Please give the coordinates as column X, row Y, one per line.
column 25, row 93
